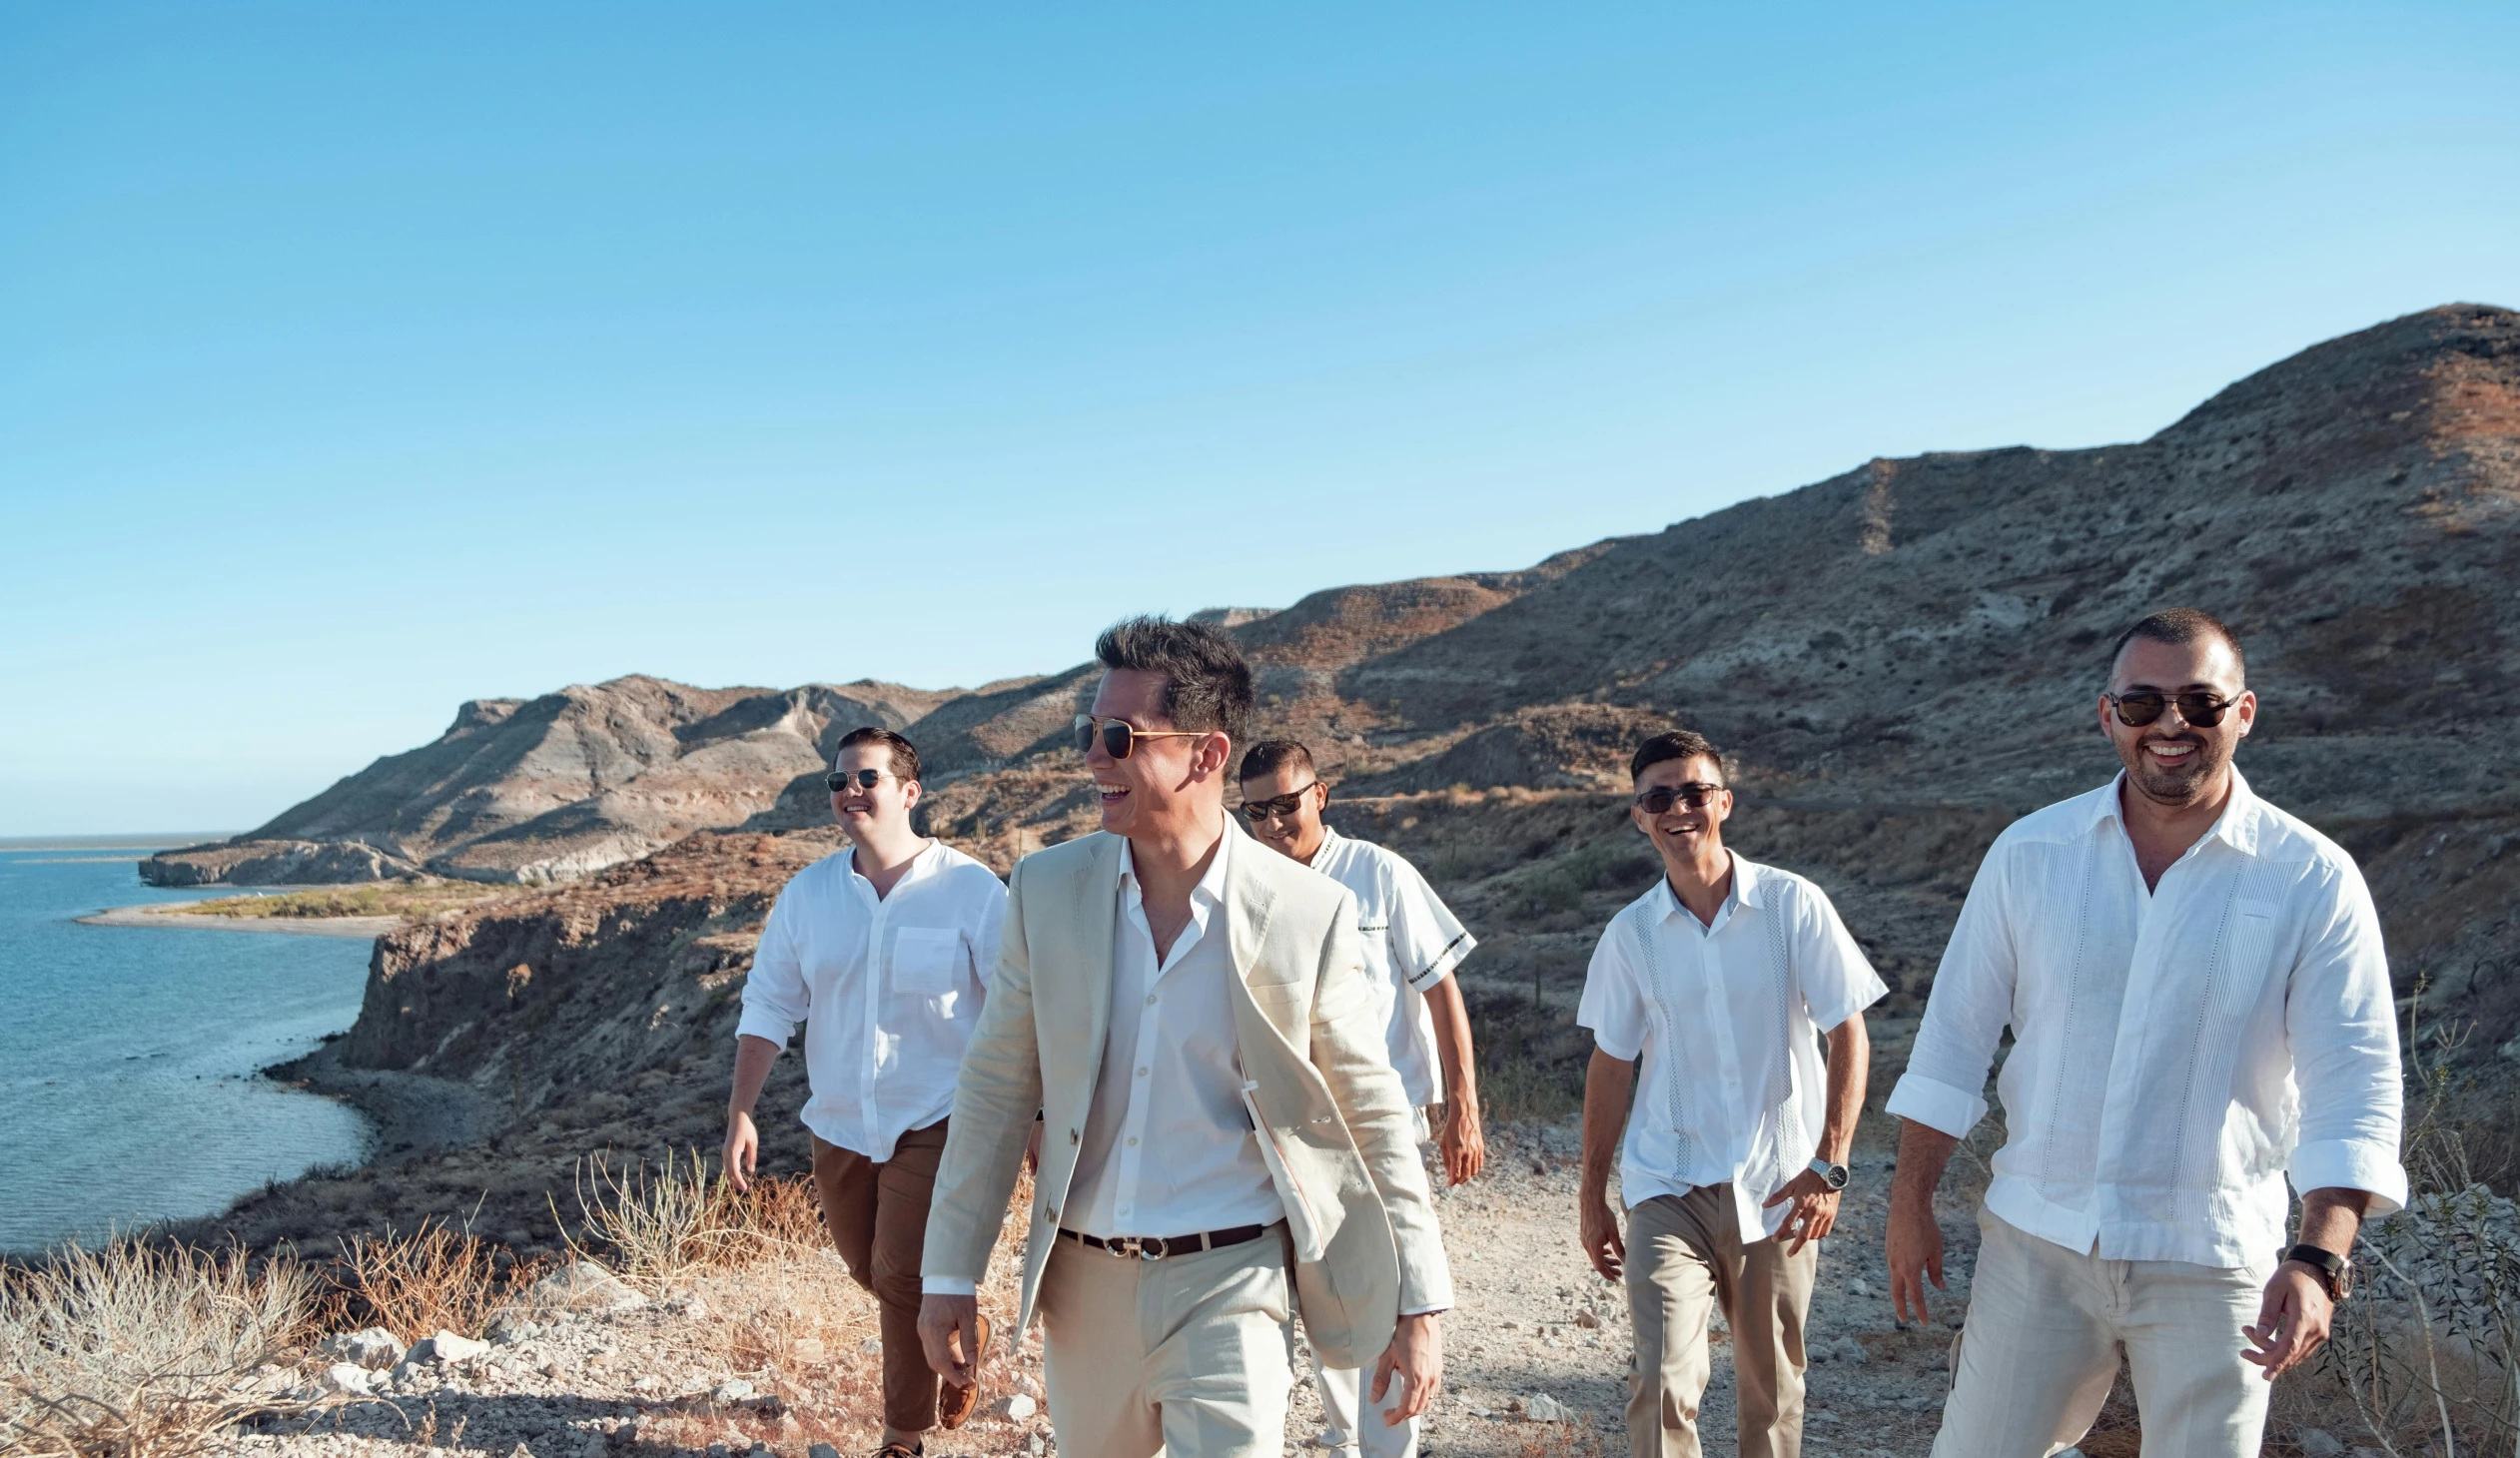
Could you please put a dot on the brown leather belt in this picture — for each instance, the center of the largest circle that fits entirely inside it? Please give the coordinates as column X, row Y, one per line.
column 1155, row 1247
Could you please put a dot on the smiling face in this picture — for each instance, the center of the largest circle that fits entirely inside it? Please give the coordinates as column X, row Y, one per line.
column 1680, row 833
column 883, row 810
column 1164, row 784
column 1297, row 833
column 2170, row 761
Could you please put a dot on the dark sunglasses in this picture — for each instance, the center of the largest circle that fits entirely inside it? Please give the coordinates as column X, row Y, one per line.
column 1119, row 737
column 839, row 780
column 1259, row 811
column 1660, row 799
column 2145, row 705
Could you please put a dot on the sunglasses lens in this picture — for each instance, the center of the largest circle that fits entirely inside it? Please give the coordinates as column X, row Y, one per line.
column 1119, row 739
column 1656, row 802
column 2202, row 710
column 2137, row 710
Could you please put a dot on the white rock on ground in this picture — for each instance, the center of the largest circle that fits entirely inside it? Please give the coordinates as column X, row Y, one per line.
column 348, row 1378
column 371, row 1347
column 1543, row 1408
column 1015, row 1407
column 445, row 1346
column 585, row 1286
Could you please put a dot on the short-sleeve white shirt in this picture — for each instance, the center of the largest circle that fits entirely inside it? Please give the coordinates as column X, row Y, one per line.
column 889, row 988
column 1411, row 940
column 1727, row 1019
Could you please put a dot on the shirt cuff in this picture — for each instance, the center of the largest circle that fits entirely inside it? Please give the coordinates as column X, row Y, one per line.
column 1445, row 961
column 1937, row 1106
column 1427, row 1311
column 764, row 1023
column 947, row 1286
column 2351, row 1164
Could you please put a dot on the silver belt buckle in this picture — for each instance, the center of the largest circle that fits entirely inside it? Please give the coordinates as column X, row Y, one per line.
column 1122, row 1247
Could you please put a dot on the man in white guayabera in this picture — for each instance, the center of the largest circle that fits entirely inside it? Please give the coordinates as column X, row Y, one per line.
column 1226, row 1133
column 1411, row 942
column 1725, row 979
column 2198, row 1002
column 884, row 952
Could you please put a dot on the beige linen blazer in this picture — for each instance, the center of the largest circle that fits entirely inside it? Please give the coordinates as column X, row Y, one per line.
column 1304, row 1020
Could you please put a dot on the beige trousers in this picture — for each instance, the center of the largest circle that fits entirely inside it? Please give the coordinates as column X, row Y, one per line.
column 2045, row 1327
column 1685, row 1256
column 1192, row 1354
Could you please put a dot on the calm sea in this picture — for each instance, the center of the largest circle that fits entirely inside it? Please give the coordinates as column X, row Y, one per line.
column 129, row 1054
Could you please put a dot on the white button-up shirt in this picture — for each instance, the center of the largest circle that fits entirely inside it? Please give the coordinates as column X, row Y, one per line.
column 1412, row 940
column 889, row 988
column 1727, row 1018
column 1167, row 1148
column 2175, row 1051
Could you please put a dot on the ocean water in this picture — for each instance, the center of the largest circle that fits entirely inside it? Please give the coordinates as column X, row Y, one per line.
column 130, row 1055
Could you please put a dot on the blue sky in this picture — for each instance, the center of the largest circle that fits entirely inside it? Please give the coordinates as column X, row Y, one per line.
column 355, row 360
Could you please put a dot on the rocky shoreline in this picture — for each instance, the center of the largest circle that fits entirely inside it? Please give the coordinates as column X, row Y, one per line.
column 159, row 914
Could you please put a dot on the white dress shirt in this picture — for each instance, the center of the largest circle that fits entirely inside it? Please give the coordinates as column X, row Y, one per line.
column 1167, row 1149
column 889, row 988
column 1728, row 1019
column 1412, row 940
column 2175, row 1051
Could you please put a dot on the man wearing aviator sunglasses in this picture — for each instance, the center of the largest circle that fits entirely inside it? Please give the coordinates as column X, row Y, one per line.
column 1709, row 998
column 1413, row 943
column 2199, row 1005
column 1224, row 1134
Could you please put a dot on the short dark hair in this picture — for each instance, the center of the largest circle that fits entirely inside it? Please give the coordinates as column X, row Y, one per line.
column 1206, row 685
column 1271, row 755
column 905, row 754
column 2180, row 625
column 1677, row 744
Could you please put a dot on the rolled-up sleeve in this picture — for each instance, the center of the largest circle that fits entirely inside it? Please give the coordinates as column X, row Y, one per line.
column 775, row 994
column 1613, row 1004
column 2342, row 1027
column 1944, row 1087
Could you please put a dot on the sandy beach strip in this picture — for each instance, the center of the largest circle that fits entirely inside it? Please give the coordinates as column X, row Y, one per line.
column 364, row 927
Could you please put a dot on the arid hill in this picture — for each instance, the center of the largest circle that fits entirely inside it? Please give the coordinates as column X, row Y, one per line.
column 1901, row 658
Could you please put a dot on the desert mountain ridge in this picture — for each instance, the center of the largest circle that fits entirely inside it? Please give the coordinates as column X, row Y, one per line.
column 1901, row 658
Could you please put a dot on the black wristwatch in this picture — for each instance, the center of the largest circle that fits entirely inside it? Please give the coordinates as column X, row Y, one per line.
column 1832, row 1176
column 2336, row 1272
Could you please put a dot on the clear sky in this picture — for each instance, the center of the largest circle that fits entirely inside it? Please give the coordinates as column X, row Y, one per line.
column 356, row 361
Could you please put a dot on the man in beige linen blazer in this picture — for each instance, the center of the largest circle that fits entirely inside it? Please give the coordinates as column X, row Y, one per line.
column 1350, row 1211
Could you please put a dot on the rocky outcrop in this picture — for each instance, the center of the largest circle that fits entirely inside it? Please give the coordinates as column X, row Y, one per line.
column 274, row 862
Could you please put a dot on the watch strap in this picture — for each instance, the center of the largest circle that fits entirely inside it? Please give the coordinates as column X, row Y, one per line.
column 2329, row 1265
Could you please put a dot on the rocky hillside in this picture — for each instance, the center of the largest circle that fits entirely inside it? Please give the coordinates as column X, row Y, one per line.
column 550, row 789
column 1904, row 658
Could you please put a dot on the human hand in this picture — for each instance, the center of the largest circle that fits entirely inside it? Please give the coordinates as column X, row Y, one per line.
column 1464, row 1146
column 1416, row 1358
column 1915, row 1245
column 1032, row 1150
column 1598, row 1232
column 943, row 1319
column 1815, row 1211
column 2292, row 1321
column 743, row 1148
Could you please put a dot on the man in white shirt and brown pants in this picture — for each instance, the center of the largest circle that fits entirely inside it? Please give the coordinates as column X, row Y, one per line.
column 2200, row 1003
column 1724, row 980
column 884, row 952
column 1411, row 942
column 1226, row 1135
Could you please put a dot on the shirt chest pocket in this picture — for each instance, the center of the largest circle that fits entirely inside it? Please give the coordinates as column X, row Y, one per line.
column 927, row 960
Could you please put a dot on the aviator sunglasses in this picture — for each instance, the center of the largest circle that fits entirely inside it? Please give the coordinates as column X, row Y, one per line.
column 1259, row 812
column 2145, row 705
column 1692, row 795
column 1119, row 737
column 839, row 780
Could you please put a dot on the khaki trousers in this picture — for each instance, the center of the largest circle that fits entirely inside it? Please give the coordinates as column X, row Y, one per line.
column 1190, row 1354
column 2044, row 1330
column 1685, row 1256
column 878, row 1216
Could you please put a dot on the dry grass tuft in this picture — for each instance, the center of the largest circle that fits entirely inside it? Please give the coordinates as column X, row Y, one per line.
column 433, row 1279
column 664, row 1224
column 141, row 1352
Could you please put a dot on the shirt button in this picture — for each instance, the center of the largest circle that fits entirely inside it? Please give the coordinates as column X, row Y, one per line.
column 1132, row 1144
column 1142, row 1073
column 1150, row 999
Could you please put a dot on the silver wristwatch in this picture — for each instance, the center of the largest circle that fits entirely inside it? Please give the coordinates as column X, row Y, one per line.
column 1832, row 1176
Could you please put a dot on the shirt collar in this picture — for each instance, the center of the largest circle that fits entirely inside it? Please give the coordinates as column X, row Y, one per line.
column 917, row 868
column 1745, row 892
column 2236, row 827
column 1210, row 887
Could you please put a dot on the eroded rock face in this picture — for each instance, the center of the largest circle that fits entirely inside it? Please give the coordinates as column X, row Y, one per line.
column 274, row 862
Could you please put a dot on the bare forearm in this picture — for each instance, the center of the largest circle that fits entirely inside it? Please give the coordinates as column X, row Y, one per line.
column 1453, row 1043
column 1924, row 1151
column 1849, row 1063
column 753, row 1057
column 1607, row 1084
column 2332, row 1218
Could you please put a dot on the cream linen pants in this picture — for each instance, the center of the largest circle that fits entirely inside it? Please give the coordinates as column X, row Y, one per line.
column 1192, row 1354
column 1342, row 1389
column 1685, row 1256
column 2045, row 1327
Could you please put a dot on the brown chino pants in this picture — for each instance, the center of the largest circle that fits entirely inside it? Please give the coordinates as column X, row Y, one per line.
column 878, row 1216
column 1685, row 1258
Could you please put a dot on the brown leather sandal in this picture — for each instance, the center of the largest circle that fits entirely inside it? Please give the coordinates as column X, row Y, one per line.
column 900, row 1450
column 954, row 1404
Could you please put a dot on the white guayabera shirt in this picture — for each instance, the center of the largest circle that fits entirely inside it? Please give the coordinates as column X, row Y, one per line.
column 1412, row 940
column 1728, row 1019
column 889, row 988
column 2176, row 1050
